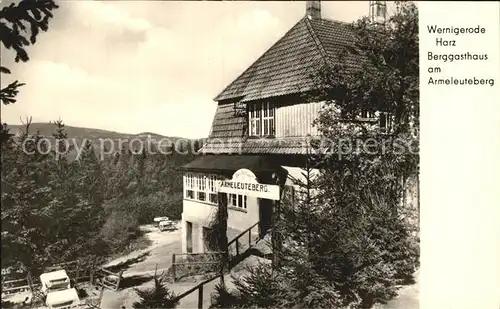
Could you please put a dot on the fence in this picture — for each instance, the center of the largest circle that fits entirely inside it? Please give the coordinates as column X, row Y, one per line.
column 233, row 260
column 182, row 265
column 77, row 272
column 190, row 264
column 10, row 287
column 106, row 279
column 87, row 273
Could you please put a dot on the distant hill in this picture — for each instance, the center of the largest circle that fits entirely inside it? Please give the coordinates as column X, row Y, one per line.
column 46, row 129
column 109, row 139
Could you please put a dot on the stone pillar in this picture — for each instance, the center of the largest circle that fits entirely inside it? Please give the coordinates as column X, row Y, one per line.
column 198, row 234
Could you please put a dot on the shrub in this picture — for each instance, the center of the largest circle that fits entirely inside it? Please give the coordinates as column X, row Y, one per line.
column 222, row 298
column 157, row 297
column 119, row 229
column 261, row 288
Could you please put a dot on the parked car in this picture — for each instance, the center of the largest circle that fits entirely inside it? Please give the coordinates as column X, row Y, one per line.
column 157, row 220
column 54, row 281
column 64, row 299
column 56, row 285
column 166, row 225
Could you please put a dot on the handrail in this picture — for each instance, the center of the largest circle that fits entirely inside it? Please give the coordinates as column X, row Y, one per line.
column 191, row 290
column 242, row 233
column 204, row 253
column 198, row 263
column 199, row 286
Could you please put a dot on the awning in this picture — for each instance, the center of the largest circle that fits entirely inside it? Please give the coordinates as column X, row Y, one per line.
column 232, row 163
column 255, row 163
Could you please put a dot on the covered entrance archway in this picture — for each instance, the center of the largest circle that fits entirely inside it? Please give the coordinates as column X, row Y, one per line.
column 244, row 182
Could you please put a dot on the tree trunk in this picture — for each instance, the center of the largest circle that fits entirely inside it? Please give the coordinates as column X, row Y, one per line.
column 222, row 232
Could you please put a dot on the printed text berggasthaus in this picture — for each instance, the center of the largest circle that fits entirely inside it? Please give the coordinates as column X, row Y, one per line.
column 446, row 40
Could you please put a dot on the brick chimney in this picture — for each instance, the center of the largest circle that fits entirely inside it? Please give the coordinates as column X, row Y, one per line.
column 313, row 9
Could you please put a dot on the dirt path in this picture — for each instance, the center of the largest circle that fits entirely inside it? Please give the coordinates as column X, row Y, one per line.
column 142, row 266
column 139, row 275
column 163, row 245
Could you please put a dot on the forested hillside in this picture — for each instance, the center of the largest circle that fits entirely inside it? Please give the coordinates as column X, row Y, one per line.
column 111, row 141
column 57, row 208
column 75, row 193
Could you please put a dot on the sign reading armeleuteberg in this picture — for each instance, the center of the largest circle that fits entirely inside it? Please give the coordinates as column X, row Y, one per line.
column 244, row 182
column 250, row 189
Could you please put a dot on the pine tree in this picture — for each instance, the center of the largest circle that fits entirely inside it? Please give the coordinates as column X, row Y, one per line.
column 5, row 135
column 140, row 172
column 15, row 20
column 25, row 198
column 360, row 241
column 61, row 206
column 158, row 297
column 25, row 192
column 91, row 188
column 345, row 244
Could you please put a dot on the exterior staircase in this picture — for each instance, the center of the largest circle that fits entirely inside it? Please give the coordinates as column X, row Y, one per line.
column 246, row 249
column 262, row 248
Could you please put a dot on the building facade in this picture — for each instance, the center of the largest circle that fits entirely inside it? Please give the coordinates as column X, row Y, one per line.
column 263, row 123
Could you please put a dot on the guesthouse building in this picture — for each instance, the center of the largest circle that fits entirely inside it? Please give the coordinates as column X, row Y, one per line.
column 262, row 127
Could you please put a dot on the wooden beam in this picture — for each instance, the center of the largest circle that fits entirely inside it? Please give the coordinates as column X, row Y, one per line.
column 173, row 267
column 200, row 297
column 222, row 229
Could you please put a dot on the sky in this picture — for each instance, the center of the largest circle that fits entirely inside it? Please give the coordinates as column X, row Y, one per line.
column 148, row 66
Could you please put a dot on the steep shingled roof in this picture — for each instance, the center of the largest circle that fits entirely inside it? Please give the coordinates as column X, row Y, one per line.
column 286, row 67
